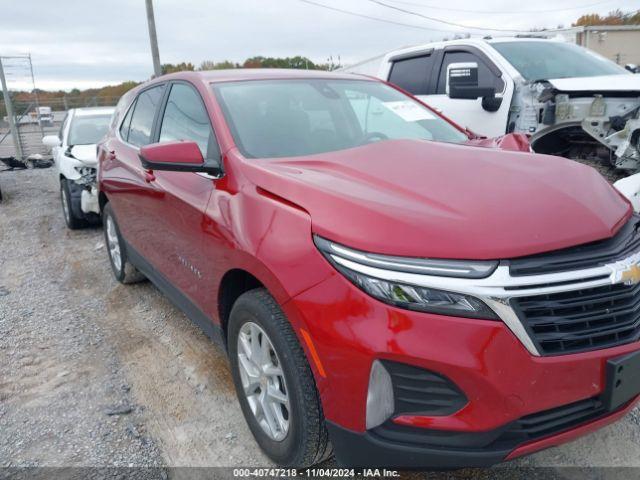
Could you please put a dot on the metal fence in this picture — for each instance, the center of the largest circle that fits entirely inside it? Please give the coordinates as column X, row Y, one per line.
column 30, row 133
column 31, row 129
column 32, row 109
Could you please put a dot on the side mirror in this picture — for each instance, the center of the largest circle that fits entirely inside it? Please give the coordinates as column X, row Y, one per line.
column 462, row 82
column 51, row 141
column 176, row 157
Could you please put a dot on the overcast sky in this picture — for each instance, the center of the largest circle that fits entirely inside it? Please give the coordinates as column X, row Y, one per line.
column 94, row 43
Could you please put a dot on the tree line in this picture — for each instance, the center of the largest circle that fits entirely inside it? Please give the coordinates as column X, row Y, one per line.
column 109, row 95
column 616, row 17
column 297, row 62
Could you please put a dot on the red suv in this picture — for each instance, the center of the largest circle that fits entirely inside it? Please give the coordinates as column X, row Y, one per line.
column 380, row 285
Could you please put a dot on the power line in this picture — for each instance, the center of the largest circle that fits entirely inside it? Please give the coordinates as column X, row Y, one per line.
column 377, row 19
column 433, row 19
column 501, row 12
column 439, row 20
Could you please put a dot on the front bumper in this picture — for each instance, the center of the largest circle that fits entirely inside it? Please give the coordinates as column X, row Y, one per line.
column 84, row 200
column 357, row 449
column 501, row 379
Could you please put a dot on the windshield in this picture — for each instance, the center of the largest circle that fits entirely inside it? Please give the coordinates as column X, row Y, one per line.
column 87, row 130
column 284, row 118
column 552, row 60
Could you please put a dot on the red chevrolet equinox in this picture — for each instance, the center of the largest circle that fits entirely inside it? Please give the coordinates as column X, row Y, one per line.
column 385, row 290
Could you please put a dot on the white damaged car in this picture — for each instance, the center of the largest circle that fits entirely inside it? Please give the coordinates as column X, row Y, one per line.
column 571, row 101
column 74, row 154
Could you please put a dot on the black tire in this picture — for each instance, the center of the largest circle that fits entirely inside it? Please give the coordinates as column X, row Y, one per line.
column 68, row 207
column 123, row 271
column 307, row 440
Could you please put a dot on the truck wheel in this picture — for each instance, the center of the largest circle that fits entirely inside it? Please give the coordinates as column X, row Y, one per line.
column 70, row 218
column 274, row 383
column 123, row 270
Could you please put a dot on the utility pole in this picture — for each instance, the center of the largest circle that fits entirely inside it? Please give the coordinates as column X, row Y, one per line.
column 10, row 116
column 153, row 38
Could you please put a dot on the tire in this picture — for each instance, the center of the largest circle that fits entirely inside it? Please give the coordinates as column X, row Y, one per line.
column 73, row 222
column 122, row 268
column 306, row 441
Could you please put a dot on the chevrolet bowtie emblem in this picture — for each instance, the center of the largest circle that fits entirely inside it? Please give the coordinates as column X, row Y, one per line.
column 631, row 275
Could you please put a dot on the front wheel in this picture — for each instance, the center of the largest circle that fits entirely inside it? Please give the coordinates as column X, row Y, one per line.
column 69, row 207
column 274, row 383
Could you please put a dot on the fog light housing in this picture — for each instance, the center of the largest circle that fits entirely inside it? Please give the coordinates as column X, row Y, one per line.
column 380, row 402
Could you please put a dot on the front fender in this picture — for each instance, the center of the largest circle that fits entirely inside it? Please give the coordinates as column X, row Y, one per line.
column 266, row 236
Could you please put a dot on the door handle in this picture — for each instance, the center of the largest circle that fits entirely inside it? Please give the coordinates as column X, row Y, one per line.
column 149, row 176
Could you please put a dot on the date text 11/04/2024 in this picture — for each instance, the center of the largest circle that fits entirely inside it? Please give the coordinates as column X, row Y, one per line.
column 316, row 472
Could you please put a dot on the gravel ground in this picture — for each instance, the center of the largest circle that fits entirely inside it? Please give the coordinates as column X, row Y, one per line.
column 94, row 373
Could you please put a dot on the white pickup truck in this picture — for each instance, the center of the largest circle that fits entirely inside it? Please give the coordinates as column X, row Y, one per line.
column 571, row 101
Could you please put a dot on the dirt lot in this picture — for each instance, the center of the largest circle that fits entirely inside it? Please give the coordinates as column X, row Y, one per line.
column 96, row 373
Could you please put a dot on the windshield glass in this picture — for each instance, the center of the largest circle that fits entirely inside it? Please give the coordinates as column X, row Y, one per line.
column 87, row 130
column 552, row 60
column 283, row 118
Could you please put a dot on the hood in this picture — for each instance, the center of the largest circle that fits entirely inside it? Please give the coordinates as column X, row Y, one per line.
column 604, row 83
column 428, row 199
column 85, row 153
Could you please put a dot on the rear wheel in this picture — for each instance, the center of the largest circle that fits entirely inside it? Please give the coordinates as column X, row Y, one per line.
column 274, row 383
column 123, row 270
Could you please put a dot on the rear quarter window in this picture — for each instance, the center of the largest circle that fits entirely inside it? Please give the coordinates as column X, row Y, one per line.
column 124, row 128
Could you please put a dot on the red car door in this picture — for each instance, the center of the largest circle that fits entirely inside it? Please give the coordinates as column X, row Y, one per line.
column 129, row 187
column 176, row 215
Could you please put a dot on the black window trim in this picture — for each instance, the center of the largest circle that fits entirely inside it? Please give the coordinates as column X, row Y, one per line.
column 410, row 55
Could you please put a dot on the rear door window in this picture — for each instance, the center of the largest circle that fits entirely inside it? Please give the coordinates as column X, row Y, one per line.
column 143, row 115
column 412, row 74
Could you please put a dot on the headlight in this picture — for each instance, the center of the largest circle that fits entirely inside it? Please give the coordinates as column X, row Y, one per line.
column 404, row 295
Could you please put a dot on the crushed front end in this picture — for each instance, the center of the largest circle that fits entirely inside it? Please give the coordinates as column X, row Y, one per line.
column 600, row 127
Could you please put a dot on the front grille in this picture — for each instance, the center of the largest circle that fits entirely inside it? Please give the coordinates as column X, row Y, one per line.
column 581, row 320
column 420, row 391
column 506, row 438
column 625, row 242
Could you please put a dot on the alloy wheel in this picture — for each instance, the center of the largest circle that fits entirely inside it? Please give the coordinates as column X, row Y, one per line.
column 263, row 381
column 113, row 244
